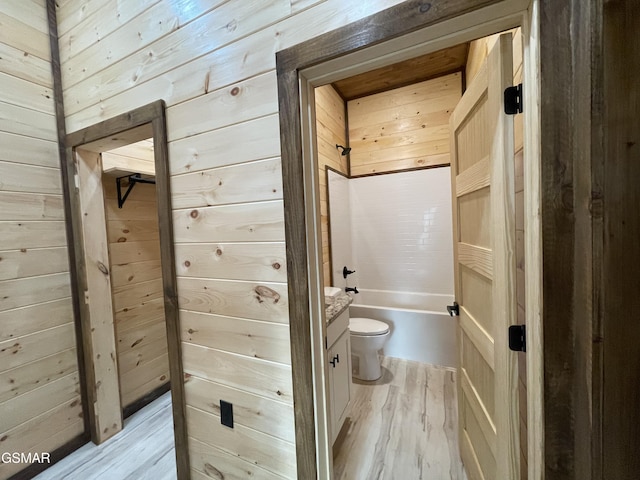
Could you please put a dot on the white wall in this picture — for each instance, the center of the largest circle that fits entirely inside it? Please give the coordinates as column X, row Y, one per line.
column 401, row 232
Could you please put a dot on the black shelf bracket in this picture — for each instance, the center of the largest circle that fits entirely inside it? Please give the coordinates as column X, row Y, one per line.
column 133, row 179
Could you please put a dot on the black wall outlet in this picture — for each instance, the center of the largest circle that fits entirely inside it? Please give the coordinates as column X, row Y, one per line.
column 226, row 413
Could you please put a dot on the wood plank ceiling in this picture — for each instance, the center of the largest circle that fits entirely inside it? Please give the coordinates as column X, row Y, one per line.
column 410, row 71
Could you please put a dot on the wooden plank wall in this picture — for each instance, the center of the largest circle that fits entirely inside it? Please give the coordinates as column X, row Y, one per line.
column 478, row 51
column 136, row 283
column 331, row 125
column 39, row 379
column 213, row 63
column 403, row 128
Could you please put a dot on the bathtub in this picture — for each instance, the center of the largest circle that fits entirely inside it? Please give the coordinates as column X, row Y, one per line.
column 421, row 328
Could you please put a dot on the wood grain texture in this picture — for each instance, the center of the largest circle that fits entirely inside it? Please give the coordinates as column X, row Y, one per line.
column 616, row 365
column 143, row 450
column 408, row 72
column 106, row 403
column 402, row 426
column 408, row 125
column 331, row 128
column 134, row 126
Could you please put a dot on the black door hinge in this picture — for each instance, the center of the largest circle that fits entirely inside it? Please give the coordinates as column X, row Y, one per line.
column 513, row 100
column 454, row 310
column 518, row 338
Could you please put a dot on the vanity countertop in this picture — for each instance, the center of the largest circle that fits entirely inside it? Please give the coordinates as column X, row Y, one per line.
column 340, row 304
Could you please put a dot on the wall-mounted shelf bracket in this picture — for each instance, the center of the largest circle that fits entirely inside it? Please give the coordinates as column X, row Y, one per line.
column 133, row 179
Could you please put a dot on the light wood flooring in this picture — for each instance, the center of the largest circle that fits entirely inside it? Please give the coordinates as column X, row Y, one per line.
column 402, row 426
column 143, row 450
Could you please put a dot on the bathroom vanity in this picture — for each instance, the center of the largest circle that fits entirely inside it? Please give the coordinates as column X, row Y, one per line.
column 339, row 366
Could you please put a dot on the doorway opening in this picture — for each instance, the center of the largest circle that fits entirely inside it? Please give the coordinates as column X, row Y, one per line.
column 124, row 260
column 304, row 181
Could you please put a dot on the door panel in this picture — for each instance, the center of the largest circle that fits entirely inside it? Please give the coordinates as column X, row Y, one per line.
column 484, row 237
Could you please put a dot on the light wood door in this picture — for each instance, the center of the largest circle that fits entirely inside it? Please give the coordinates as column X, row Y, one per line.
column 484, row 236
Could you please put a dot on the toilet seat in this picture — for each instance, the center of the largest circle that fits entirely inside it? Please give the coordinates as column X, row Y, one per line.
column 367, row 327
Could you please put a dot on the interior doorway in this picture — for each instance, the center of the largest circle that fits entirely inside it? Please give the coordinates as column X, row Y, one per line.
column 301, row 180
column 125, row 269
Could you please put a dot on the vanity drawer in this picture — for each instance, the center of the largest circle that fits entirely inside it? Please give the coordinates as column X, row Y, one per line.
column 337, row 327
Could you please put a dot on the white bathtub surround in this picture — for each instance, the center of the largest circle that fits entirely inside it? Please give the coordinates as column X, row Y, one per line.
column 403, row 426
column 401, row 232
column 397, row 236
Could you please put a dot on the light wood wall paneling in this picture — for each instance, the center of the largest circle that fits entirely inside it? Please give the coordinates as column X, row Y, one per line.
column 129, row 252
column 192, row 41
column 232, row 261
column 331, row 130
column 65, row 422
column 252, row 140
column 208, row 462
column 260, row 377
column 24, row 37
column 249, row 182
column 25, row 378
column 259, row 301
column 17, row 91
column 16, row 235
column 31, row 262
column 34, row 318
column 244, row 101
column 81, row 16
column 121, row 32
column 29, row 13
column 403, row 128
column 32, row 403
column 28, row 348
column 250, row 410
column 27, row 122
column 29, row 178
column 14, row 62
column 247, row 222
column 31, row 290
column 261, row 449
column 29, row 206
column 106, row 403
column 227, row 65
column 237, row 335
column 32, row 151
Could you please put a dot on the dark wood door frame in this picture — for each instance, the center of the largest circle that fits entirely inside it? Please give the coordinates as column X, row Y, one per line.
column 152, row 116
column 403, row 19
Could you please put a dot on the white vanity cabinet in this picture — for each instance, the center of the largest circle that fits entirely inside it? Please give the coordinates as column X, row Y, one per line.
column 339, row 368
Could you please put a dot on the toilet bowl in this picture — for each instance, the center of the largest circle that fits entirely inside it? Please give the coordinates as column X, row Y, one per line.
column 367, row 337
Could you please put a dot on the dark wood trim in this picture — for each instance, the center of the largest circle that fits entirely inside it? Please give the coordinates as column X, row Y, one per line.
column 55, row 456
column 619, row 177
column 172, row 318
column 142, row 402
column 74, row 235
column 396, row 21
column 407, row 83
column 404, row 170
column 153, row 114
column 572, row 203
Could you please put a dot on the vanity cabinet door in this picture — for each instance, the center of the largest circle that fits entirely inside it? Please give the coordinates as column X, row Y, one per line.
column 339, row 356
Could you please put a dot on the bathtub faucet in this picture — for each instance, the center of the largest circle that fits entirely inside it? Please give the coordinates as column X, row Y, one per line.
column 349, row 289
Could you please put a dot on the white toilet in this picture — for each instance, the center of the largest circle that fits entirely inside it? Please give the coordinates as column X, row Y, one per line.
column 367, row 337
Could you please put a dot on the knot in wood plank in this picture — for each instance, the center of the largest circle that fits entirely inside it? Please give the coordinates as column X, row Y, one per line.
column 266, row 292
